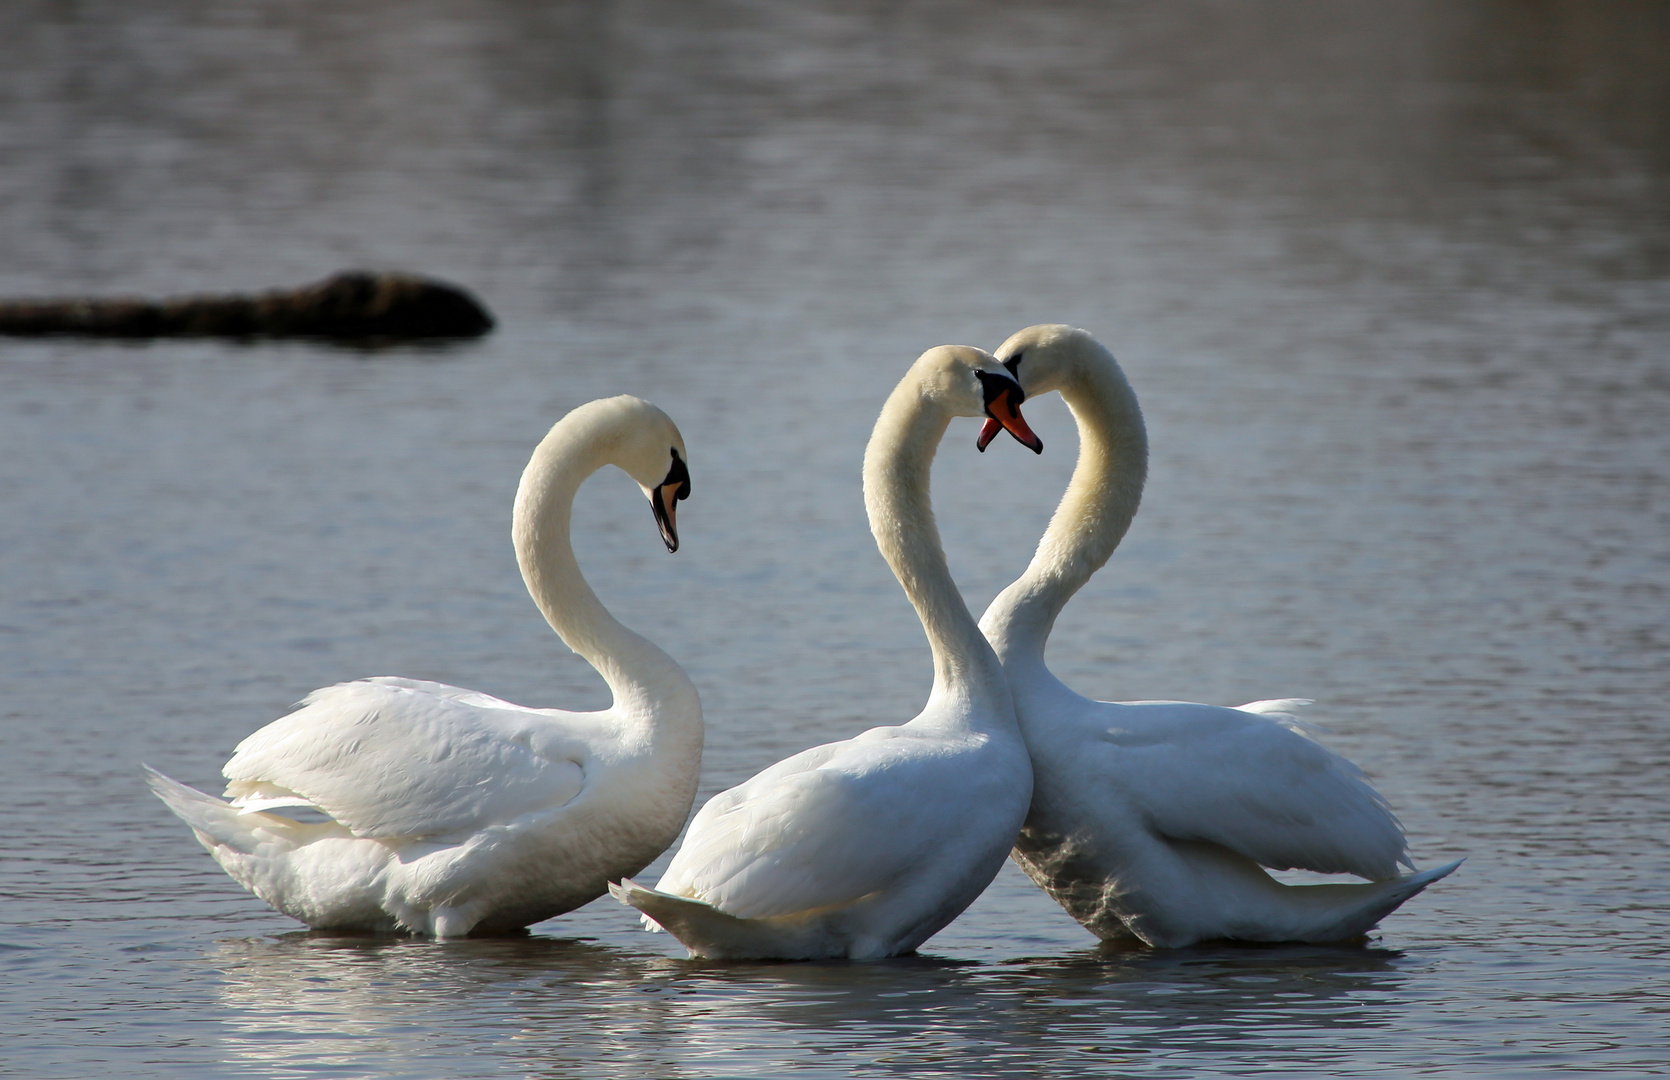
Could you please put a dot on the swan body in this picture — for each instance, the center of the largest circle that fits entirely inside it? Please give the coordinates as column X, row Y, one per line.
column 1154, row 819
column 865, row 848
column 446, row 811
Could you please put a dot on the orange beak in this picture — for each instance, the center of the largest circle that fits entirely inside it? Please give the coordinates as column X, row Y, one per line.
column 663, row 499
column 1003, row 412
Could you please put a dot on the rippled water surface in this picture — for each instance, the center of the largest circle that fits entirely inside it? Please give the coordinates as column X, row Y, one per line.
column 1392, row 280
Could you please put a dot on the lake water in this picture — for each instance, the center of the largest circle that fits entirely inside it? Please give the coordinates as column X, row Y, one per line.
column 1392, row 280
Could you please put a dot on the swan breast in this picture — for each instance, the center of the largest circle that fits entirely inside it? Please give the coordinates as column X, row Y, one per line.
column 837, row 823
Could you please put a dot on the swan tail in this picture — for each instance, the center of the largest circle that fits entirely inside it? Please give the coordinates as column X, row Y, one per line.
column 1367, row 904
column 1285, row 711
column 708, row 932
column 216, row 822
column 1277, row 706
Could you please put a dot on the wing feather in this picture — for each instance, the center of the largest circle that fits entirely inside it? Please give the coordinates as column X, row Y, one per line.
column 394, row 758
column 1253, row 781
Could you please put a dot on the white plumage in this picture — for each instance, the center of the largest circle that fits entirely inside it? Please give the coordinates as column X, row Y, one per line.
column 448, row 762
column 1154, row 819
column 840, row 822
column 865, row 848
column 1257, row 784
column 448, row 811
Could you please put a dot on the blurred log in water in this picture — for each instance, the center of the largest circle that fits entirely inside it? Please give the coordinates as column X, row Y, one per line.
column 353, row 305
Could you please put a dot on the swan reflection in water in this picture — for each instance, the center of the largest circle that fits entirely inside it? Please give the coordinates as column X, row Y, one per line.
column 1079, row 1013
column 408, row 1006
column 568, row 1008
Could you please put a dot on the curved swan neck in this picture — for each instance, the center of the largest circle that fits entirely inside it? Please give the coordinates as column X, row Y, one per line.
column 897, row 464
column 1093, row 515
column 646, row 683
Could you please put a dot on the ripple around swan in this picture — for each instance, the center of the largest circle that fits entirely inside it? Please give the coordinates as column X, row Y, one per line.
column 1389, row 279
column 669, row 1017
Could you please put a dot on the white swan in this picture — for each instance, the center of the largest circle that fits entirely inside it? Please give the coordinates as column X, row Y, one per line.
column 1153, row 818
column 450, row 811
column 866, row 848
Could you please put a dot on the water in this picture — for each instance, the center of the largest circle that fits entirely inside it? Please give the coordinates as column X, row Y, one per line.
column 1393, row 283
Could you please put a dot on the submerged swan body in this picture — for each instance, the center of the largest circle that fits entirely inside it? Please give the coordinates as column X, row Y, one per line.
column 866, row 848
column 448, row 811
column 1154, row 819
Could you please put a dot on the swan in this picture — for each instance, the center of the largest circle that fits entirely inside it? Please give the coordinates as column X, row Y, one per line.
column 448, row 811
column 1154, row 819
column 865, row 848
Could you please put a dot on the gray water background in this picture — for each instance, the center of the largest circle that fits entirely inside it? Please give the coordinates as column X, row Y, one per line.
column 1392, row 280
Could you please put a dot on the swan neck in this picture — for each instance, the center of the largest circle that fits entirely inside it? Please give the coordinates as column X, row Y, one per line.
column 897, row 466
column 1094, row 513
column 645, row 682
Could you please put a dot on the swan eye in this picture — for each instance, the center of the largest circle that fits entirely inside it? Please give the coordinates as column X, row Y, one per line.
column 1014, row 364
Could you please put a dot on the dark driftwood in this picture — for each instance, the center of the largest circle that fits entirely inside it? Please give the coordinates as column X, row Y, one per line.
column 346, row 306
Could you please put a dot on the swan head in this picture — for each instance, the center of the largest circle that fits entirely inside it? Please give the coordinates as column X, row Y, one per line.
column 1045, row 357
column 655, row 457
column 627, row 432
column 1042, row 359
column 966, row 381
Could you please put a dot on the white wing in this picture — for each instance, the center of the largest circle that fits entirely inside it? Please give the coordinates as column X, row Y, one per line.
column 401, row 758
column 830, row 825
column 1249, row 780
